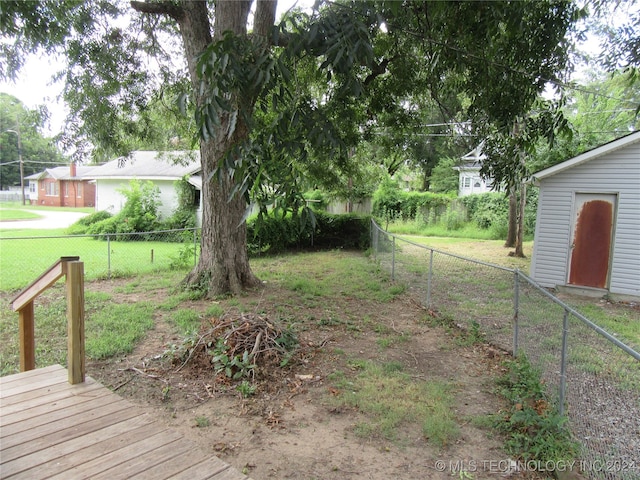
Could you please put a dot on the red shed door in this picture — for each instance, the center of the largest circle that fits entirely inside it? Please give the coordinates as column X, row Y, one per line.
column 592, row 237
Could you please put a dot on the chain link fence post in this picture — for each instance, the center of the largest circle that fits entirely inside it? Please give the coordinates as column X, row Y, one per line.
column 429, row 277
column 108, row 256
column 374, row 239
column 563, row 362
column 195, row 247
column 516, row 309
column 393, row 259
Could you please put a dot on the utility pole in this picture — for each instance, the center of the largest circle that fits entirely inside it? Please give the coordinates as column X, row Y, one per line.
column 17, row 132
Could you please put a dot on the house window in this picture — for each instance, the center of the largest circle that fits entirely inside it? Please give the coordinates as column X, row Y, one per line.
column 79, row 189
column 32, row 187
column 466, row 182
column 53, row 189
column 476, row 185
column 66, row 189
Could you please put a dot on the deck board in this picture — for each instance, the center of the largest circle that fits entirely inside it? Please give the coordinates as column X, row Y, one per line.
column 56, row 407
column 93, row 459
column 50, row 429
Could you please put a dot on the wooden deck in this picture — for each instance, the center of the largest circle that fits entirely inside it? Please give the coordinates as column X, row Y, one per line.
column 51, row 429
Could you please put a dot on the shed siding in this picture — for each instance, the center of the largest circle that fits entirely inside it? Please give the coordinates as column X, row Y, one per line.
column 618, row 173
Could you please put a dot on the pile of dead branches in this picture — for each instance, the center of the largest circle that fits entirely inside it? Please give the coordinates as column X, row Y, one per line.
column 243, row 335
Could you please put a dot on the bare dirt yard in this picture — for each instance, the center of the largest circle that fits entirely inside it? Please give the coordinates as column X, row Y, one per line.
column 296, row 424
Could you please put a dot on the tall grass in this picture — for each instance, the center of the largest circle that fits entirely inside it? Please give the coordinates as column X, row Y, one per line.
column 468, row 230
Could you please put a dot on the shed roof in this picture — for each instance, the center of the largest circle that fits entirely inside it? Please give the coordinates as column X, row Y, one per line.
column 150, row 165
column 588, row 155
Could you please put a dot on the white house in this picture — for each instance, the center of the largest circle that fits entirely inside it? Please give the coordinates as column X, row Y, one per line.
column 469, row 177
column 161, row 168
column 588, row 221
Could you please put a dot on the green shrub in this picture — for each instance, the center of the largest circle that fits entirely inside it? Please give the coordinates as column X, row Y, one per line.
column 491, row 211
column 453, row 219
column 487, row 209
column 391, row 203
column 179, row 220
column 342, row 231
column 139, row 213
column 388, row 200
column 316, row 199
column 184, row 216
column 81, row 226
column 275, row 232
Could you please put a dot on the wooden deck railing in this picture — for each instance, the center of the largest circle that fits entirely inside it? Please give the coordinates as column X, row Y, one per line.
column 73, row 270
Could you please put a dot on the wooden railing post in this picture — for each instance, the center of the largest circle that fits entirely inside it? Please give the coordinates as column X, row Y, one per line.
column 75, row 321
column 26, row 331
column 23, row 304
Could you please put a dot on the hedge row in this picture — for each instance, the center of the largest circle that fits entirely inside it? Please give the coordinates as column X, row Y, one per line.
column 274, row 234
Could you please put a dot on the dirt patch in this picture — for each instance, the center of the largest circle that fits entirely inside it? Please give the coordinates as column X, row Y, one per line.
column 292, row 427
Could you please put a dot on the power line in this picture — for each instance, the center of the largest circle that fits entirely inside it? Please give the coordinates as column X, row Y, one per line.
column 56, row 164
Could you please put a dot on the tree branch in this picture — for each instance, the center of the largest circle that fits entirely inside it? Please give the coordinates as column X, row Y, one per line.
column 160, row 8
column 265, row 17
column 379, row 69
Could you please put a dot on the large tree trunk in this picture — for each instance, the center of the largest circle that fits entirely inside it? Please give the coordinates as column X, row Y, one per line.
column 223, row 266
column 224, row 262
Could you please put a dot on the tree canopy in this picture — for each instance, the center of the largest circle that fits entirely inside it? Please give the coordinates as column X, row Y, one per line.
column 38, row 152
column 279, row 101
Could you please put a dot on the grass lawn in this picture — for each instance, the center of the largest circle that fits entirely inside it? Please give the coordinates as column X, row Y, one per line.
column 490, row 251
column 24, row 259
column 466, row 291
column 324, row 295
column 8, row 214
column 18, row 206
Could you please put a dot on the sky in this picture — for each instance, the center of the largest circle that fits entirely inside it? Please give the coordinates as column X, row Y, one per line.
column 34, row 86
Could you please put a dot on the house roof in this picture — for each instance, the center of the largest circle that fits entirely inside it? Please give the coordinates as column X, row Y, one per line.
column 63, row 173
column 472, row 160
column 196, row 181
column 588, row 155
column 149, row 165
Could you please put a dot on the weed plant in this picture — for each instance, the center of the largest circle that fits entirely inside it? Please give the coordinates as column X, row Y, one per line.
column 534, row 428
column 391, row 400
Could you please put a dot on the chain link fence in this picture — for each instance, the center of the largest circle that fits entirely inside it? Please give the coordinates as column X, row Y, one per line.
column 108, row 255
column 591, row 376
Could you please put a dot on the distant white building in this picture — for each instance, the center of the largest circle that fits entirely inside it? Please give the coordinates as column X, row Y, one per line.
column 469, row 179
column 163, row 169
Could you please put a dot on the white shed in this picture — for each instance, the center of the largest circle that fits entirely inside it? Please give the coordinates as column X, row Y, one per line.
column 588, row 222
column 161, row 168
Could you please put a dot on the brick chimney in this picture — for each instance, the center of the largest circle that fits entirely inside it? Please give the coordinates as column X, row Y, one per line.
column 72, row 169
